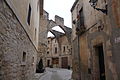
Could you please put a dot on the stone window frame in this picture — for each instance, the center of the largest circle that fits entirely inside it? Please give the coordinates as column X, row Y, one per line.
column 94, row 42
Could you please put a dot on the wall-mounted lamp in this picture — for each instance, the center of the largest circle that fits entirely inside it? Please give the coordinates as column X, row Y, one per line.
column 93, row 3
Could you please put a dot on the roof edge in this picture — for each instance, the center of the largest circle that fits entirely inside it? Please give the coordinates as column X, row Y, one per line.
column 74, row 5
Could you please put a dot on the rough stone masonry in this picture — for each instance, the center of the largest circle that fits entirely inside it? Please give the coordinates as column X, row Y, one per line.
column 17, row 53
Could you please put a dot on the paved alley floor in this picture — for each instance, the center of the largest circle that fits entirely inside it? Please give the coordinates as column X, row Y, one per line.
column 56, row 74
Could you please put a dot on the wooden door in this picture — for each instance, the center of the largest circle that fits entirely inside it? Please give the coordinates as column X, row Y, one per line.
column 64, row 62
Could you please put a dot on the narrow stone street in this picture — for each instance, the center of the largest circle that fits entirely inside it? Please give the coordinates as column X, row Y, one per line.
column 55, row 74
column 59, row 39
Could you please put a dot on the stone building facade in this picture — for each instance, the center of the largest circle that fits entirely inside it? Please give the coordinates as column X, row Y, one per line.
column 96, row 31
column 65, row 52
column 52, row 55
column 59, row 52
column 43, row 31
column 46, row 25
column 19, row 29
column 56, row 42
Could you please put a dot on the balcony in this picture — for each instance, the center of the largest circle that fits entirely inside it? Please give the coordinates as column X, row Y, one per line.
column 80, row 27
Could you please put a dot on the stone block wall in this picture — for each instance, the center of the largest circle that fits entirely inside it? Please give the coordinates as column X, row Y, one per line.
column 102, row 29
column 59, row 20
column 43, row 30
column 113, row 13
column 17, row 52
column 75, row 60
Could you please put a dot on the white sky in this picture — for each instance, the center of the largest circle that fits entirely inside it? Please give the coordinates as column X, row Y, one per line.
column 58, row 28
column 60, row 8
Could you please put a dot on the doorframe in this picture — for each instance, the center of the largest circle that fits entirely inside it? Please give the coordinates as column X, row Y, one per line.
column 94, row 73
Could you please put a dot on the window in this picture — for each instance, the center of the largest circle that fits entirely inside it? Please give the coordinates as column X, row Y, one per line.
column 64, row 49
column 32, row 60
column 48, row 52
column 48, row 63
column 81, row 17
column 24, row 57
column 29, row 15
column 55, row 49
column 48, row 42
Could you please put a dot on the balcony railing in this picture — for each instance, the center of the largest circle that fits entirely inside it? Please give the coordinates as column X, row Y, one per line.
column 80, row 27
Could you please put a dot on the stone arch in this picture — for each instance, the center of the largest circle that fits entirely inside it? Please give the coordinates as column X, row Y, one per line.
column 60, row 22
